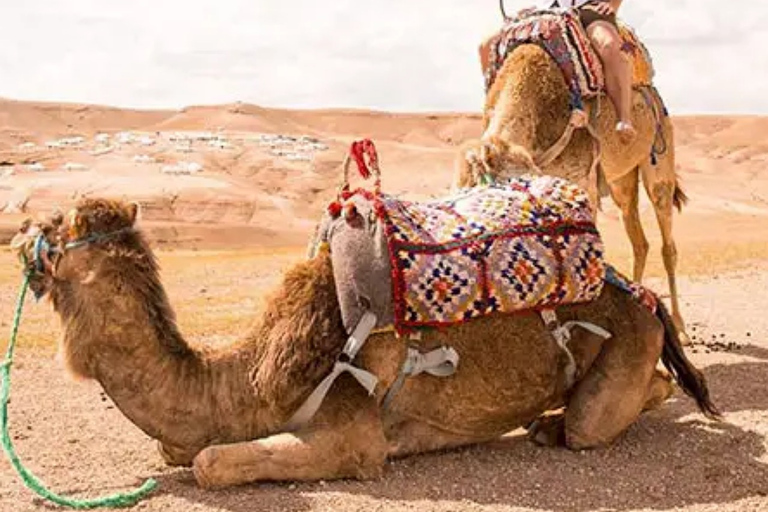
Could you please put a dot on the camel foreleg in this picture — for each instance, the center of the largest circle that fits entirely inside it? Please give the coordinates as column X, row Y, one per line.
column 345, row 440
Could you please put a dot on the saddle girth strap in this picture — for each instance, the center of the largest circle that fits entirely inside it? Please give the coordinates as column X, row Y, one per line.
column 440, row 362
column 355, row 342
column 562, row 335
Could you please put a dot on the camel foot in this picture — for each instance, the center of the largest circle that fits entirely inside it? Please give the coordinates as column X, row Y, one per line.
column 548, row 430
column 204, row 468
column 685, row 340
column 659, row 390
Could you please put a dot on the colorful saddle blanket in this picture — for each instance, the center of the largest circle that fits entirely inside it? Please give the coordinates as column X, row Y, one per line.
column 524, row 244
column 561, row 34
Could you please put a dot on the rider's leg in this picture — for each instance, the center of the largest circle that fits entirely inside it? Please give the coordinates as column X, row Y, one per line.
column 618, row 73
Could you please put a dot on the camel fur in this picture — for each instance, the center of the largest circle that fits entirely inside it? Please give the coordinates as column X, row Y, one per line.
column 223, row 411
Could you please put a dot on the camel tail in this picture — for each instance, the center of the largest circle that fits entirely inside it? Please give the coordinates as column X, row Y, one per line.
column 687, row 376
column 679, row 199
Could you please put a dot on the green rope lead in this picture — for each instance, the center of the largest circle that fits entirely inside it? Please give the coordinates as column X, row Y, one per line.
column 115, row 500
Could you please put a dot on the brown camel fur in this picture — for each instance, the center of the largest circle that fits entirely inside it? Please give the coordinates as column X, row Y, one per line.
column 528, row 107
column 222, row 411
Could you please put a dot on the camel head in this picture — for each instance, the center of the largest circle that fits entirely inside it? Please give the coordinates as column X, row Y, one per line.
column 91, row 262
column 32, row 244
column 482, row 160
column 62, row 247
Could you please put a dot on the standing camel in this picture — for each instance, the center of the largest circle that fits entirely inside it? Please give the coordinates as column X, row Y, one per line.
column 528, row 112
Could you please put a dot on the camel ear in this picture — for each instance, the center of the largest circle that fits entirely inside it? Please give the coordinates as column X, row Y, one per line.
column 488, row 159
column 133, row 211
column 56, row 218
column 25, row 225
column 475, row 169
column 77, row 224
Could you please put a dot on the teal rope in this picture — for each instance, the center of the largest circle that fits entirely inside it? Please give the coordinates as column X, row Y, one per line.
column 487, row 179
column 114, row 500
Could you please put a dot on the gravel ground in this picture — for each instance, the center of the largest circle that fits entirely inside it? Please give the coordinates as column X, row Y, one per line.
column 71, row 436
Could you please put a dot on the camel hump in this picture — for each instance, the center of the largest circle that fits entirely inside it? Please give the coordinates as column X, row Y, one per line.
column 562, row 36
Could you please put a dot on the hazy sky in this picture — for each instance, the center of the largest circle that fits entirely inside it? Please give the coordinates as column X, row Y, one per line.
column 405, row 55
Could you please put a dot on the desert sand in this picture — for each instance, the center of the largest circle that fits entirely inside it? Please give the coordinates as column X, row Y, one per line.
column 229, row 195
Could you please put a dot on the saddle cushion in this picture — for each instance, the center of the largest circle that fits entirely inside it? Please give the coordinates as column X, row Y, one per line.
column 561, row 34
column 524, row 244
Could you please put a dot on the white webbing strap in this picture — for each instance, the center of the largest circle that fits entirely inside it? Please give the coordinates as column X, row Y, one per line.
column 358, row 337
column 440, row 362
column 366, row 379
column 562, row 335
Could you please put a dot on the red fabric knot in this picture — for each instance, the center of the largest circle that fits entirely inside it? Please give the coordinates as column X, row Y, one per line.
column 358, row 151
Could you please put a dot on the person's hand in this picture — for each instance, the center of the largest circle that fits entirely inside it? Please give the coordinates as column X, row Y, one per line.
column 603, row 8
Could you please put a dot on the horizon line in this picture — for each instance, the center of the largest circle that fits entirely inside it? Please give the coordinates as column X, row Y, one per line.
column 337, row 108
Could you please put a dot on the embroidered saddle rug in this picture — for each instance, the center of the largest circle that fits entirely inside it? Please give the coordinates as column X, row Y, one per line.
column 523, row 244
column 561, row 34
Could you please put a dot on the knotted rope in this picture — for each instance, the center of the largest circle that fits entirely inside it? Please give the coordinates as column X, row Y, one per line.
column 358, row 151
column 114, row 500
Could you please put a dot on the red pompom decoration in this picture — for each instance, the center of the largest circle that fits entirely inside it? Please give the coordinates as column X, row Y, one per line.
column 334, row 209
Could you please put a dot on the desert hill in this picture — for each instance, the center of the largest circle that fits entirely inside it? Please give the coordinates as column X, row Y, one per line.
column 243, row 174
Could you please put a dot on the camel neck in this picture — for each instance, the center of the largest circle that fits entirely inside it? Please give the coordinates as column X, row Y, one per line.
column 121, row 331
column 528, row 105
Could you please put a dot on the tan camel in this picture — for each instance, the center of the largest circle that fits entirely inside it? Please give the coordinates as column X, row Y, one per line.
column 528, row 106
column 224, row 411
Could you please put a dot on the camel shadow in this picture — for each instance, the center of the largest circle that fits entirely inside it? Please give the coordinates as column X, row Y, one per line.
column 267, row 496
column 672, row 457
